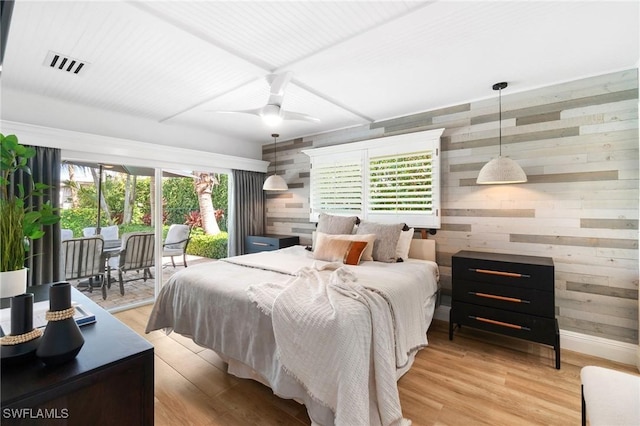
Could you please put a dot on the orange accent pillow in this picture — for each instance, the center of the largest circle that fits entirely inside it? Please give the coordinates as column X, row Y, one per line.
column 354, row 252
column 335, row 250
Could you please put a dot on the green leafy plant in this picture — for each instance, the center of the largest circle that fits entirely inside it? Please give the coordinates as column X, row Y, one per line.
column 212, row 246
column 20, row 223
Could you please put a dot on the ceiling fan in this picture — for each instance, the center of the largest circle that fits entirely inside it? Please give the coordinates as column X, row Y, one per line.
column 272, row 113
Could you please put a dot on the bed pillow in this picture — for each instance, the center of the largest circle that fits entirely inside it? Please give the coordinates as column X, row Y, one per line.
column 354, row 252
column 404, row 244
column 321, row 237
column 339, row 250
column 386, row 243
column 331, row 224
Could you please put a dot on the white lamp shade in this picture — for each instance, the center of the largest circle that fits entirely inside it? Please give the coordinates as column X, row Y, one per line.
column 275, row 183
column 501, row 170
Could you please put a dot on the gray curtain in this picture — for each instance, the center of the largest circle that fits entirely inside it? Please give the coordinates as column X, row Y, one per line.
column 249, row 209
column 43, row 258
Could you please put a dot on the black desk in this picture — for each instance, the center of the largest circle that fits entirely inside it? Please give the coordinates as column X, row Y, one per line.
column 110, row 382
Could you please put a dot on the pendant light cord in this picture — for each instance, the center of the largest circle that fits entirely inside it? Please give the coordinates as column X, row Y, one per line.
column 500, row 119
column 275, row 154
column 499, row 87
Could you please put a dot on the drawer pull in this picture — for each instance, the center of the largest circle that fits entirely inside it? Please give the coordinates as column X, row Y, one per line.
column 494, row 296
column 501, row 273
column 260, row 244
column 503, row 324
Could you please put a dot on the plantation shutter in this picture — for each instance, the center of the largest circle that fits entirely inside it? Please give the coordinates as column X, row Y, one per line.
column 392, row 179
column 336, row 185
column 400, row 185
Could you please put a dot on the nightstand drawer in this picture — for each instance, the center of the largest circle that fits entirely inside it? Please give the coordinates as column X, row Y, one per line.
column 511, row 298
column 529, row 327
column 495, row 268
column 258, row 243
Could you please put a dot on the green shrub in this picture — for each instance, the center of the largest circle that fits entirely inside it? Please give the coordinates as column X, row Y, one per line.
column 211, row 246
column 133, row 227
column 79, row 218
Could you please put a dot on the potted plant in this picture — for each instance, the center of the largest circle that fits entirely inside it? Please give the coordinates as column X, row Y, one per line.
column 20, row 223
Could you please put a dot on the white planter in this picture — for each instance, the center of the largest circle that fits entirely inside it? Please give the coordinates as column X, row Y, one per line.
column 13, row 283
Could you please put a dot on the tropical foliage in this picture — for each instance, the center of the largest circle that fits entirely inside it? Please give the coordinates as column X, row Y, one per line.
column 181, row 204
column 19, row 221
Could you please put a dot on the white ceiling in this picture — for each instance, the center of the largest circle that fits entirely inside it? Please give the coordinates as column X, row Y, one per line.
column 173, row 64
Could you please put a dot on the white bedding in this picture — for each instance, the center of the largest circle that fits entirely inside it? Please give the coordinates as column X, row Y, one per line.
column 210, row 303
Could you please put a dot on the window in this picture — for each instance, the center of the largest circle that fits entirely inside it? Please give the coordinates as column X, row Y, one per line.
column 388, row 180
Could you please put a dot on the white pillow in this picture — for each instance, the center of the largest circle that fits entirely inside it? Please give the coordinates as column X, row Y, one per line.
column 369, row 238
column 404, row 244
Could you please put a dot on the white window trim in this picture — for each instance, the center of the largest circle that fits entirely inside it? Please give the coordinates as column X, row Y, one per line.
column 397, row 144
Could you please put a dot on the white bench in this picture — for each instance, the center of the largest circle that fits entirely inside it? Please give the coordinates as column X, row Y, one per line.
column 610, row 397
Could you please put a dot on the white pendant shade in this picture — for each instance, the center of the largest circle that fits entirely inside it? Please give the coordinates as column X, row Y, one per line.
column 275, row 183
column 501, row 170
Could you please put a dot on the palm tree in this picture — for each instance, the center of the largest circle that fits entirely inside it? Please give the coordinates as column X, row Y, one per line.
column 129, row 198
column 72, row 185
column 204, row 184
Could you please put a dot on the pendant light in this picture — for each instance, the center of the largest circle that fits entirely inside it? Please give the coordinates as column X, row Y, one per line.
column 275, row 182
column 502, row 169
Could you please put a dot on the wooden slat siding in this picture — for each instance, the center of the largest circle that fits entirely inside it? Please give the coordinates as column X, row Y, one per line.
column 597, row 329
column 423, row 118
column 293, row 185
column 489, row 212
column 510, row 139
column 538, row 118
column 578, row 144
column 555, row 107
column 609, row 223
column 575, row 241
column 624, row 293
column 559, row 178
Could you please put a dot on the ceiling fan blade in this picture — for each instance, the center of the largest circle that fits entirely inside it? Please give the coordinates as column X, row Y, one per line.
column 278, row 83
column 289, row 115
column 255, row 111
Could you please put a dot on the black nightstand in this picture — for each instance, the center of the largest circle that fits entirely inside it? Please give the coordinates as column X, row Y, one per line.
column 507, row 294
column 268, row 242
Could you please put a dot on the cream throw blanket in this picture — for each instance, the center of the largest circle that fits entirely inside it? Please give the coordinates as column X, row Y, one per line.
column 323, row 323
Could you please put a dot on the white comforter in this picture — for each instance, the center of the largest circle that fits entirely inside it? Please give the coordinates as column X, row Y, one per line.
column 210, row 303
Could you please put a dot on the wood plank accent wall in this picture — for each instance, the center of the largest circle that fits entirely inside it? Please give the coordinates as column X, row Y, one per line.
column 577, row 142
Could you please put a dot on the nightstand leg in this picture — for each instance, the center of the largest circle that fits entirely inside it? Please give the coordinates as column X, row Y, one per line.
column 450, row 324
column 557, row 346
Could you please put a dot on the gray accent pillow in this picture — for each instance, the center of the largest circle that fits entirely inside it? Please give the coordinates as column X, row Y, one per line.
column 331, row 224
column 384, row 248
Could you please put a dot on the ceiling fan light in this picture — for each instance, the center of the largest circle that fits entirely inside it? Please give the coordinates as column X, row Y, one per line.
column 275, row 183
column 271, row 115
column 501, row 170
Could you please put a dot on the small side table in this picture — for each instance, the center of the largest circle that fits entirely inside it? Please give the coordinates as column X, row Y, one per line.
column 269, row 242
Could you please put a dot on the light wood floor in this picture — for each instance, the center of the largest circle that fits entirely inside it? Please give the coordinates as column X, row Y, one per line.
column 476, row 379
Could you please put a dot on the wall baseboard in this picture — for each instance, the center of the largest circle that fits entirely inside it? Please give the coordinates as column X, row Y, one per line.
column 626, row 353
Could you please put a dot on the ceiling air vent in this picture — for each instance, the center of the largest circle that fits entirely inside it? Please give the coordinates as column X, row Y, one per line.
column 64, row 63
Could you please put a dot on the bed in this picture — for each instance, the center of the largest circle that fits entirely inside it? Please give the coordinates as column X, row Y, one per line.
column 334, row 337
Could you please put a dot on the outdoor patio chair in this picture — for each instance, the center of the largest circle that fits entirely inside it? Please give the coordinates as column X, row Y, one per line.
column 83, row 258
column 176, row 243
column 137, row 254
column 109, row 233
column 66, row 234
